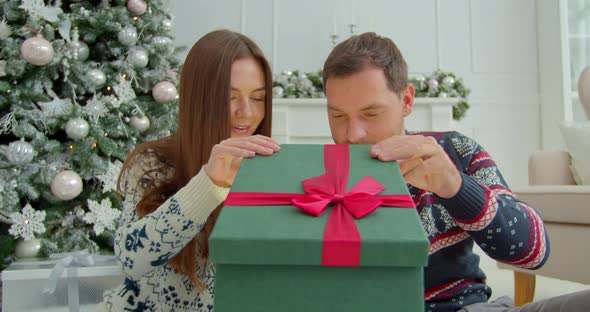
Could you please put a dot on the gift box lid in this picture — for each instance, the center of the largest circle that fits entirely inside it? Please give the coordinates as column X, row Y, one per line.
column 284, row 235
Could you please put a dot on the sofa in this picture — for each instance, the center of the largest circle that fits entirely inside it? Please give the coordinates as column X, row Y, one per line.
column 565, row 208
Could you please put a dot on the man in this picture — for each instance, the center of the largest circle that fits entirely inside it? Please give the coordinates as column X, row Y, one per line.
column 458, row 190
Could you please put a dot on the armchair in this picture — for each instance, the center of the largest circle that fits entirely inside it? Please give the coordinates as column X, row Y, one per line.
column 565, row 208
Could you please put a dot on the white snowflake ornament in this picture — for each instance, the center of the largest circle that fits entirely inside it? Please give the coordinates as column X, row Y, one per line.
column 108, row 178
column 102, row 215
column 38, row 8
column 95, row 109
column 57, row 107
column 124, row 91
column 27, row 222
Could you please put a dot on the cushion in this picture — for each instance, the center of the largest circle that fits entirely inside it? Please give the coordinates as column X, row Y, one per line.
column 577, row 141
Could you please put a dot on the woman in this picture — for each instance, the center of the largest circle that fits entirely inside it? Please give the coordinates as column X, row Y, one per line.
column 173, row 188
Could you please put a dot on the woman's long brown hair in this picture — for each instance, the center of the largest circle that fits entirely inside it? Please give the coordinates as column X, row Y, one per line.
column 203, row 121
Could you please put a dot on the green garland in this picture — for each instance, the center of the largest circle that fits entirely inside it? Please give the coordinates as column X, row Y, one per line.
column 297, row 84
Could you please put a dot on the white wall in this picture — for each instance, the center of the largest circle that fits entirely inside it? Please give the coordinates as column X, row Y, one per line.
column 491, row 44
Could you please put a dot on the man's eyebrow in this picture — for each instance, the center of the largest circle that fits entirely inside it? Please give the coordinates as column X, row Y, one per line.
column 372, row 106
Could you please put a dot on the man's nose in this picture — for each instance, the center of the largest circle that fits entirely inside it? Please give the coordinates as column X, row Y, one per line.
column 356, row 132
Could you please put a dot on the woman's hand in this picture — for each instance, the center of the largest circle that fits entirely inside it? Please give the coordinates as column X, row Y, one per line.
column 226, row 156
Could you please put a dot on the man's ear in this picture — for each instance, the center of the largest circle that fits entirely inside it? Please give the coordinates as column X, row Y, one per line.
column 408, row 99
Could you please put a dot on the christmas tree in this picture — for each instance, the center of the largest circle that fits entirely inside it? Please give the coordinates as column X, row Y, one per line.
column 81, row 84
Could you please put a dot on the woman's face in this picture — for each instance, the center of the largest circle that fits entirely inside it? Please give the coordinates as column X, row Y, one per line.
column 248, row 92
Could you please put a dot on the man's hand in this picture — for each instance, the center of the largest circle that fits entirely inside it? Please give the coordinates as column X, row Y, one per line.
column 226, row 156
column 423, row 163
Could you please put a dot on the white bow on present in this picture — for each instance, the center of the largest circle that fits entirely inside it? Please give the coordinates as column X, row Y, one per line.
column 62, row 261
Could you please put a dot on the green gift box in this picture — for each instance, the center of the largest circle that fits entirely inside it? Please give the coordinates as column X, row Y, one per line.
column 280, row 258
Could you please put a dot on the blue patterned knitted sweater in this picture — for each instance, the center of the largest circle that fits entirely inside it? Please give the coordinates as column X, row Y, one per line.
column 484, row 211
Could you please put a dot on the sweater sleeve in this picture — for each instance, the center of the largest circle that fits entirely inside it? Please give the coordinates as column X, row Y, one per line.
column 506, row 228
column 143, row 245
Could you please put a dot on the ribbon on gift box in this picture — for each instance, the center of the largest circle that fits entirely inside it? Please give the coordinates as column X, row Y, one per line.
column 61, row 262
column 341, row 241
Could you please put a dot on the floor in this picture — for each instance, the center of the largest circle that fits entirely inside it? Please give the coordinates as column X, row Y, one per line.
column 501, row 282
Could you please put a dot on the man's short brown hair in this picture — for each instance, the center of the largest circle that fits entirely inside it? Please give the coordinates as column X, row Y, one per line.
column 368, row 49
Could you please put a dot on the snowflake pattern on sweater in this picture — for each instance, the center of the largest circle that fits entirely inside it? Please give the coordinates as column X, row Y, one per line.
column 485, row 212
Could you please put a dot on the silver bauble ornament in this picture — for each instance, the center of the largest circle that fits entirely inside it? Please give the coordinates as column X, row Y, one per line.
column 448, row 81
column 433, row 83
column 37, row 51
column 66, row 185
column 80, row 50
column 163, row 44
column 26, row 249
column 138, row 58
column 137, row 7
column 140, row 123
column 96, row 77
column 164, row 91
column 277, row 92
column 77, row 128
column 20, row 152
column 127, row 36
column 167, row 24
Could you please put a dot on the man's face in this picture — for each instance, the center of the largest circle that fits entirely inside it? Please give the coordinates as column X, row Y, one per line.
column 363, row 110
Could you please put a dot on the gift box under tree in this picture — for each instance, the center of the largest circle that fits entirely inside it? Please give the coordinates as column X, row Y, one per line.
column 354, row 242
